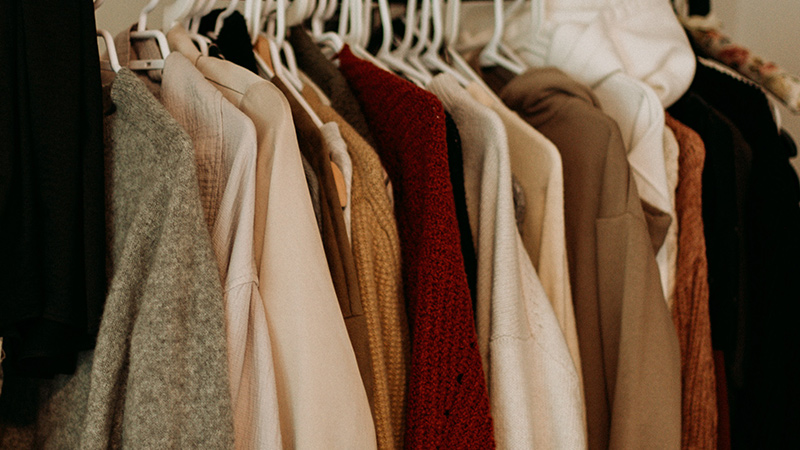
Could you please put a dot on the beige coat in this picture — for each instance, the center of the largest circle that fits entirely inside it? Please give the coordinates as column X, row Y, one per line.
column 224, row 141
column 321, row 399
column 536, row 165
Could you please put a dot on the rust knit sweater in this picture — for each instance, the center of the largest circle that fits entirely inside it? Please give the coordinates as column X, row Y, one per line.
column 690, row 310
column 448, row 405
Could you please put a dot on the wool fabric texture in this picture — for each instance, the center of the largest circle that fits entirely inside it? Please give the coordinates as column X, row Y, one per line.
column 448, row 404
column 534, row 388
column 376, row 249
column 690, row 310
column 158, row 377
column 163, row 331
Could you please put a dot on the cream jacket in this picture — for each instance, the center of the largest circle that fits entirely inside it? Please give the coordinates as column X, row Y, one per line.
column 536, row 165
column 321, row 398
column 224, row 141
column 534, row 388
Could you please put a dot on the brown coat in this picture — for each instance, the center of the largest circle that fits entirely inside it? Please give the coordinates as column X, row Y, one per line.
column 691, row 309
column 629, row 350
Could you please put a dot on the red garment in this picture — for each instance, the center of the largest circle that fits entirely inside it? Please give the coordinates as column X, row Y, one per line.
column 448, row 404
column 690, row 310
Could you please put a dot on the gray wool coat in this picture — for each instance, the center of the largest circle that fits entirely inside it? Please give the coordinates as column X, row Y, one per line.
column 158, row 377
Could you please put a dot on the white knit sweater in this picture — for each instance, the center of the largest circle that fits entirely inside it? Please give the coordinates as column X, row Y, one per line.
column 533, row 385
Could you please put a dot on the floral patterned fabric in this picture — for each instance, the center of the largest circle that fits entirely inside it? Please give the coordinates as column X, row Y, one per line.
column 716, row 45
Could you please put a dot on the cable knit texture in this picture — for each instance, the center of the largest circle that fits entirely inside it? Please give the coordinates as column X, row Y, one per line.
column 690, row 310
column 448, row 405
column 376, row 248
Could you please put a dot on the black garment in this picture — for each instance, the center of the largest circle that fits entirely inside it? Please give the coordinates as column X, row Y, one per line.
column 52, row 224
column 455, row 160
column 765, row 412
column 322, row 71
column 699, row 7
column 725, row 186
column 233, row 39
column 726, row 175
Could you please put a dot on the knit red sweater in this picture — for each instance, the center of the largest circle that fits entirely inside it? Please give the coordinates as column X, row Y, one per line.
column 448, row 404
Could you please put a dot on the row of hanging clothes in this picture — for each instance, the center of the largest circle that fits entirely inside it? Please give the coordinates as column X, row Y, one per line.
column 312, row 224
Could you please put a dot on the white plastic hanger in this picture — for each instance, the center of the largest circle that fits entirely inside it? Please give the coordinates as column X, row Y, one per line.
column 385, row 55
column 143, row 33
column 296, row 11
column 366, row 23
column 287, row 73
column 329, row 38
column 222, row 16
column 491, row 54
column 203, row 7
column 111, row 49
column 179, row 12
column 452, row 20
column 353, row 18
column 276, row 43
column 413, row 56
column 176, row 12
column 431, row 56
column 408, row 35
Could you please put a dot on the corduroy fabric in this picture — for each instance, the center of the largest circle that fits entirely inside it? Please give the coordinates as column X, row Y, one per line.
column 376, row 249
column 629, row 348
column 690, row 310
column 448, row 405
column 328, row 78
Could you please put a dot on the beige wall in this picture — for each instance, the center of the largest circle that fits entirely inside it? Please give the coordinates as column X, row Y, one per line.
column 771, row 29
column 115, row 15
